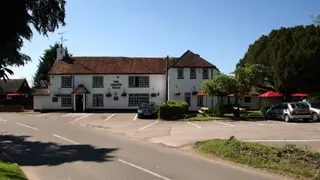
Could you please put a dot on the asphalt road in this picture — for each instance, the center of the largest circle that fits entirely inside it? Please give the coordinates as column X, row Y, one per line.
column 54, row 150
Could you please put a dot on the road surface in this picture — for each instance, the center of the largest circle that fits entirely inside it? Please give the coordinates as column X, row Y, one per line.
column 55, row 150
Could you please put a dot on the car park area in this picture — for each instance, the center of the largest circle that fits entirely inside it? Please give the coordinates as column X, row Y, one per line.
column 181, row 133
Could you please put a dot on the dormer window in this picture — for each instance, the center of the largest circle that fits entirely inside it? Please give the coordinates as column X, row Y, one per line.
column 180, row 73
column 193, row 73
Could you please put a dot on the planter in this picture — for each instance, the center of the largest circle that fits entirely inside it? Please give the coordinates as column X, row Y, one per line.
column 194, row 93
column 124, row 94
column 108, row 95
column 177, row 93
column 153, row 94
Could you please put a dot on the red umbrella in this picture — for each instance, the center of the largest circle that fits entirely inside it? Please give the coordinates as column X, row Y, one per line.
column 271, row 94
column 201, row 94
column 300, row 95
column 14, row 94
column 245, row 95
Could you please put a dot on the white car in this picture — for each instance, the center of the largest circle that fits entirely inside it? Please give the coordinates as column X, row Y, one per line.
column 314, row 109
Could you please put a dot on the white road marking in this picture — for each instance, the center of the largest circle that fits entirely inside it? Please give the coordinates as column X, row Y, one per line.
column 223, row 123
column 3, row 120
column 148, row 125
column 66, row 139
column 43, row 114
column 194, row 125
column 135, row 117
column 20, row 124
column 283, row 140
column 143, row 169
column 110, row 117
column 82, row 117
column 255, row 123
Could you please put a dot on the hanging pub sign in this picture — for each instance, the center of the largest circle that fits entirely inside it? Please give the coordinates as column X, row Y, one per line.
column 116, row 85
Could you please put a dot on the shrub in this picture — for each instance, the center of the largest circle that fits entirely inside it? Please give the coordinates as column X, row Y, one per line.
column 171, row 102
column 173, row 110
column 218, row 110
column 264, row 108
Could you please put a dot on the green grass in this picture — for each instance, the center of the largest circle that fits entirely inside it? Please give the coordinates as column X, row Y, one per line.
column 9, row 171
column 200, row 117
column 288, row 160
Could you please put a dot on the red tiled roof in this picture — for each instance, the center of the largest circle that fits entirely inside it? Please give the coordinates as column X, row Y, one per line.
column 125, row 65
column 80, row 89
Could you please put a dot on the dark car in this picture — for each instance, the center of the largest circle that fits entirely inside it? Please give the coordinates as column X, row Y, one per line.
column 147, row 110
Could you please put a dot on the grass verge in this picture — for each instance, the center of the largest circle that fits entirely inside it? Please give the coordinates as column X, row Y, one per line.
column 288, row 160
column 200, row 117
column 11, row 171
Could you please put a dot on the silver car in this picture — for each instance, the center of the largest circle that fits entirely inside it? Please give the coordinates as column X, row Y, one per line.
column 289, row 111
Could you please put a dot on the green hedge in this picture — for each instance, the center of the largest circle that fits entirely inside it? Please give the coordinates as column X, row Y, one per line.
column 173, row 110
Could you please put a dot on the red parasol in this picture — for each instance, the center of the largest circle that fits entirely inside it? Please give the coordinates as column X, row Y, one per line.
column 14, row 94
column 300, row 95
column 271, row 94
column 201, row 94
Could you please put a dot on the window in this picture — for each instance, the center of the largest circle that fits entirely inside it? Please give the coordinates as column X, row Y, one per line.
column 205, row 73
column 54, row 99
column 199, row 100
column 299, row 105
column 187, row 98
column 137, row 99
column 97, row 81
column 193, row 73
column 66, row 81
column 97, row 100
column 180, row 73
column 116, row 98
column 247, row 99
column 138, row 81
column 66, row 100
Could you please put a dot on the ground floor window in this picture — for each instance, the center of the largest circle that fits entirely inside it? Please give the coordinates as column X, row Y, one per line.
column 97, row 100
column 66, row 100
column 187, row 98
column 199, row 100
column 137, row 99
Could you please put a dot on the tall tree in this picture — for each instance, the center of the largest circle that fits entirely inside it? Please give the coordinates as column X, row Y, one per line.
column 46, row 61
column 290, row 57
column 17, row 17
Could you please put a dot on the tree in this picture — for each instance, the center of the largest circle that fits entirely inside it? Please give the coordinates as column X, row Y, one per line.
column 17, row 17
column 316, row 19
column 45, row 63
column 290, row 57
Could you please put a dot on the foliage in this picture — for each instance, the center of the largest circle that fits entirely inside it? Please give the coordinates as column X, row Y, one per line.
column 290, row 57
column 10, row 170
column 44, row 16
column 46, row 61
column 287, row 160
column 218, row 110
column 173, row 111
column 220, row 85
column 264, row 108
column 316, row 19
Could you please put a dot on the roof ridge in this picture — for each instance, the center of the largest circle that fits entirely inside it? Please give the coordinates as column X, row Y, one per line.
column 117, row 57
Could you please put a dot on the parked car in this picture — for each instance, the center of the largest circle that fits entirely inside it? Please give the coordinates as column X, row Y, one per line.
column 148, row 110
column 314, row 109
column 289, row 111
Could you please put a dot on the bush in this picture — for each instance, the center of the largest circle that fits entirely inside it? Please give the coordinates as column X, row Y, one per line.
column 264, row 109
column 218, row 110
column 173, row 110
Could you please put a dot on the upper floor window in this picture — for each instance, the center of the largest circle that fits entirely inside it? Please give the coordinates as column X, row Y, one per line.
column 66, row 81
column 180, row 73
column 138, row 81
column 193, row 73
column 205, row 73
column 97, row 81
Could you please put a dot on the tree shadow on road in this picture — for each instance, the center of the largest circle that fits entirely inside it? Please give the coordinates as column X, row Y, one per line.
column 36, row 153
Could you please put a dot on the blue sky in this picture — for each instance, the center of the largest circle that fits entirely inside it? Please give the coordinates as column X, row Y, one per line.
column 218, row 30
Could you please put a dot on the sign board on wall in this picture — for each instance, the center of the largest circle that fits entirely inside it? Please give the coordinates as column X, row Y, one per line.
column 116, row 85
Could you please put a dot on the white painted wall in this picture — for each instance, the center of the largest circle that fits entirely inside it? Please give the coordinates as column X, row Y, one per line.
column 157, row 84
column 45, row 102
column 187, row 85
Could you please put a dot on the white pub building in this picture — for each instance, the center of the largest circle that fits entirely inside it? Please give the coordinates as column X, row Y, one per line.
column 107, row 83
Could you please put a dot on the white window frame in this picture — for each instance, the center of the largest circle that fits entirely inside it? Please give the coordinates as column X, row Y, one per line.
column 97, row 100
column 66, row 100
column 193, row 75
column 97, row 82
column 139, row 81
column 66, row 82
column 138, row 98
column 203, row 73
column 180, row 73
